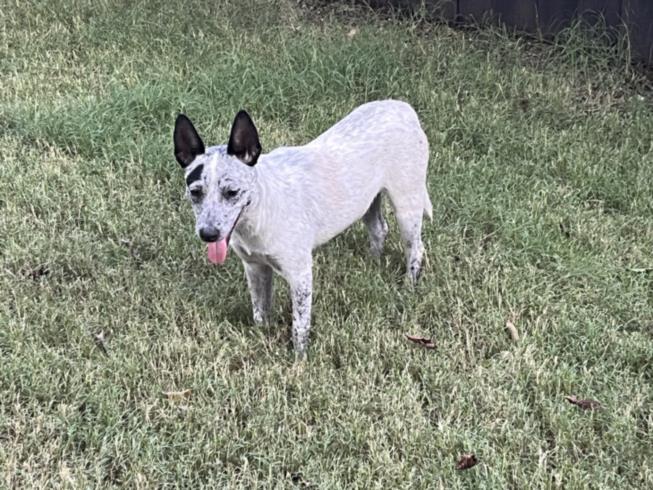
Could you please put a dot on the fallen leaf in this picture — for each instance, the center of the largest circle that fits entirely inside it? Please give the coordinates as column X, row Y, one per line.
column 352, row 32
column 37, row 273
column 584, row 404
column 640, row 270
column 512, row 330
column 100, row 342
column 564, row 230
column 466, row 461
column 298, row 480
column 423, row 341
column 176, row 396
column 65, row 474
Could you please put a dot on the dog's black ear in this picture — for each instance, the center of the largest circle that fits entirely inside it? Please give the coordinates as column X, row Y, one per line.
column 243, row 140
column 188, row 143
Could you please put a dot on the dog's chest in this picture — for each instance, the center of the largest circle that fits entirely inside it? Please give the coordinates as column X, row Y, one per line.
column 254, row 256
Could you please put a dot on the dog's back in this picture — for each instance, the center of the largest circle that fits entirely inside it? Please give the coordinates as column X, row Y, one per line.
column 386, row 140
column 379, row 146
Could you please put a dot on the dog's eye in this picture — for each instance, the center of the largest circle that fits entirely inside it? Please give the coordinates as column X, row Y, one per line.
column 196, row 194
column 229, row 193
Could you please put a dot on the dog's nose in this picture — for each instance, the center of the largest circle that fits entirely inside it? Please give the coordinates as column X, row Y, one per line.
column 209, row 234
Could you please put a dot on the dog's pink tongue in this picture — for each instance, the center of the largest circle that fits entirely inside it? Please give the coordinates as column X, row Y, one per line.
column 217, row 252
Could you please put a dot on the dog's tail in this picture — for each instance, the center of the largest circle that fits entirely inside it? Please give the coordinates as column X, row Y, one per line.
column 428, row 207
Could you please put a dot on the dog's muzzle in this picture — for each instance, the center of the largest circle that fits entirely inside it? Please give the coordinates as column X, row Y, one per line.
column 217, row 248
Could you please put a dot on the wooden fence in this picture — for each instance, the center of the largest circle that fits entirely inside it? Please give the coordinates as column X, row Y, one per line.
column 548, row 16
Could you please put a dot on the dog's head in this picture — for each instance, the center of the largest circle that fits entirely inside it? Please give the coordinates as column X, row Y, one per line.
column 220, row 179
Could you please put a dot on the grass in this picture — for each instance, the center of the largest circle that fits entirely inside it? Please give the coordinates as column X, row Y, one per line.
column 541, row 177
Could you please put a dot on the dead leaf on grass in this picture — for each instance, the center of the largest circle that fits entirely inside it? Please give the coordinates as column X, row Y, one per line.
column 564, row 229
column 65, row 474
column 584, row 404
column 176, row 396
column 100, row 342
column 422, row 341
column 640, row 270
column 298, row 480
column 512, row 330
column 466, row 461
column 36, row 273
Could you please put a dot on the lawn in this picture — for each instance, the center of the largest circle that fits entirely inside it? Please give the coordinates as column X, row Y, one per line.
column 541, row 177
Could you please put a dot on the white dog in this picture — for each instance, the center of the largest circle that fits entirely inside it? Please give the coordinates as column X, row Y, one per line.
column 274, row 209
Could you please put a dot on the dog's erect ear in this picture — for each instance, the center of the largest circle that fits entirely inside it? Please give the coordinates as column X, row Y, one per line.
column 243, row 140
column 188, row 143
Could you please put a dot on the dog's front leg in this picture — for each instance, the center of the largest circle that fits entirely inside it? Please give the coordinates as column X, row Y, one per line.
column 301, row 290
column 259, row 280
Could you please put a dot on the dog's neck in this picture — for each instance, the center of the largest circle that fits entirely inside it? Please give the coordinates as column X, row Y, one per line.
column 254, row 226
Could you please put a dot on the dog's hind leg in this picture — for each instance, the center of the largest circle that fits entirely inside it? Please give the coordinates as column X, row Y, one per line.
column 376, row 225
column 259, row 280
column 411, row 233
column 409, row 210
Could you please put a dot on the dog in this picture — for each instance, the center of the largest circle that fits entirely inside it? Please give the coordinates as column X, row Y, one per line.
column 274, row 209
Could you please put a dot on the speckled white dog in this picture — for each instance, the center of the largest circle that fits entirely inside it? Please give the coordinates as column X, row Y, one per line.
column 274, row 209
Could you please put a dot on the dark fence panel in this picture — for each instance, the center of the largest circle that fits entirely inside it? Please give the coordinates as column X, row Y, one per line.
column 609, row 9
column 549, row 16
column 522, row 15
column 638, row 16
column 447, row 9
column 474, row 9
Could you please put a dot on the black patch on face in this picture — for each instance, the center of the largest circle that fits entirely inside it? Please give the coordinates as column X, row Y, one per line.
column 196, row 174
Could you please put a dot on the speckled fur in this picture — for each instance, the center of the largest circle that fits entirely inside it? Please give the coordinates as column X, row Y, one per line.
column 297, row 198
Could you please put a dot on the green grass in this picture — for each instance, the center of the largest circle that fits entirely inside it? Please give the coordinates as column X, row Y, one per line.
column 541, row 177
